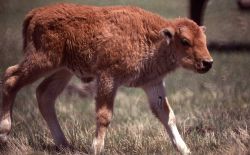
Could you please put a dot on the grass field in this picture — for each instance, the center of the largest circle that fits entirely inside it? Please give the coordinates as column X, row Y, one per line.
column 212, row 110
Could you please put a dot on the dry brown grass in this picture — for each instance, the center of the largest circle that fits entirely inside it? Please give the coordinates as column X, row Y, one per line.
column 213, row 115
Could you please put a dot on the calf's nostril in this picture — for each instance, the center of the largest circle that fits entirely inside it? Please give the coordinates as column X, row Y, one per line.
column 207, row 63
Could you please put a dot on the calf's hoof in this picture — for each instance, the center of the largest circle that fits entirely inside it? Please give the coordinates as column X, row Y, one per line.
column 184, row 150
column 5, row 126
column 3, row 138
column 97, row 146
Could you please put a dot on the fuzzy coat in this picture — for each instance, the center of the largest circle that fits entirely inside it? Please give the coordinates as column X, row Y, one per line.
column 122, row 41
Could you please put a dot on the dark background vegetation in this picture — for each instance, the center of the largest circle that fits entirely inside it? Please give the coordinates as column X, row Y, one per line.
column 212, row 110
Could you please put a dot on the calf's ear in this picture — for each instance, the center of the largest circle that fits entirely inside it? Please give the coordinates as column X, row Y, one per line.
column 203, row 28
column 168, row 34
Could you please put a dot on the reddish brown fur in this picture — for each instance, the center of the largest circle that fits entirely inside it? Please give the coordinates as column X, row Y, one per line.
column 113, row 45
column 93, row 39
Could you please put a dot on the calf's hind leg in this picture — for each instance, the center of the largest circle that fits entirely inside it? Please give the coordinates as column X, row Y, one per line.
column 30, row 69
column 4, row 125
column 47, row 93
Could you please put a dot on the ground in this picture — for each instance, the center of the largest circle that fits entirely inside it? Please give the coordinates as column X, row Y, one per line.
column 212, row 110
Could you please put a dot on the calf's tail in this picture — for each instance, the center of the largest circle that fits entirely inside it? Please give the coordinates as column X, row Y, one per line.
column 25, row 31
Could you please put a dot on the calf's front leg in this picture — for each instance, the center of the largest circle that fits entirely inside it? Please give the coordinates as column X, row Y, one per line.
column 162, row 110
column 106, row 91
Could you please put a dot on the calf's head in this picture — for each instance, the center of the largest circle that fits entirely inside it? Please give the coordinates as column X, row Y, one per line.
column 188, row 42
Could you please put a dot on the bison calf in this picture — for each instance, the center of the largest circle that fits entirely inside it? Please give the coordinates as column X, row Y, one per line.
column 112, row 46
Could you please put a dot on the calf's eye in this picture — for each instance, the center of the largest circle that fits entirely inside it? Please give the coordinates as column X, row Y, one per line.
column 185, row 42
